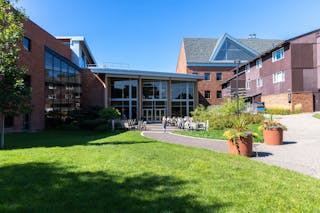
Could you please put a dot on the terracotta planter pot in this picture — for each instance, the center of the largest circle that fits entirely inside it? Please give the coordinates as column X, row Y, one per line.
column 245, row 146
column 273, row 136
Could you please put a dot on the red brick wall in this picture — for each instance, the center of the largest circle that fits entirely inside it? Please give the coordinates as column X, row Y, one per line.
column 93, row 90
column 34, row 62
column 213, row 85
column 182, row 61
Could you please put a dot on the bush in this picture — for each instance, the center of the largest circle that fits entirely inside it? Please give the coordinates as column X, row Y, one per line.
column 55, row 119
column 109, row 113
column 229, row 107
column 278, row 111
column 223, row 117
column 89, row 113
column 200, row 113
column 253, row 118
column 94, row 124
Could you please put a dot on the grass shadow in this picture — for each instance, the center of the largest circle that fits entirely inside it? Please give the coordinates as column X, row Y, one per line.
column 42, row 187
column 261, row 154
column 289, row 142
column 118, row 143
column 68, row 138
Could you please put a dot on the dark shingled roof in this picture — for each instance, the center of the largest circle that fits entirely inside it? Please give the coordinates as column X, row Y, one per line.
column 199, row 50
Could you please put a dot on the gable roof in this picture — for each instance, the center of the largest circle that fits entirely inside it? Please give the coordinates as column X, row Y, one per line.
column 224, row 40
column 200, row 50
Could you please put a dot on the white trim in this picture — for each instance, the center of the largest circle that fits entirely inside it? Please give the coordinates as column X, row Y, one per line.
column 247, row 85
column 259, row 63
column 143, row 74
column 277, row 79
column 259, row 82
column 281, row 55
column 205, row 76
column 247, row 67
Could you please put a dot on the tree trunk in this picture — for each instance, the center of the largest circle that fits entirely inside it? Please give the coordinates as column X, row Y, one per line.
column 2, row 133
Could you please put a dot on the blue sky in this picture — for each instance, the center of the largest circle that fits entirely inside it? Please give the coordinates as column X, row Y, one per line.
column 146, row 34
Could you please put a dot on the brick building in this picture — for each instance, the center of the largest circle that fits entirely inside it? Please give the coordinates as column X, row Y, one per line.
column 286, row 76
column 63, row 77
column 214, row 59
column 53, row 74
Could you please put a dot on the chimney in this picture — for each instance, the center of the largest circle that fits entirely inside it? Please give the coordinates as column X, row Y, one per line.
column 252, row 35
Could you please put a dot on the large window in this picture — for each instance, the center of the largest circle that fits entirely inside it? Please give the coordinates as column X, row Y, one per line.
column 278, row 77
column 154, row 99
column 278, row 55
column 154, row 89
column 182, row 94
column 62, row 84
column 124, row 97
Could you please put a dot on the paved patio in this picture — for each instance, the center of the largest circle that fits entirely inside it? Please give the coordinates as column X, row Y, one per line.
column 300, row 152
column 301, row 149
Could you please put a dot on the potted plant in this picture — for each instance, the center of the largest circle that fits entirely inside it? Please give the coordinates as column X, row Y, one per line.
column 239, row 138
column 272, row 132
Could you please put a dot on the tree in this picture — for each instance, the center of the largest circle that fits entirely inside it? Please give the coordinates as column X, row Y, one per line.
column 14, row 95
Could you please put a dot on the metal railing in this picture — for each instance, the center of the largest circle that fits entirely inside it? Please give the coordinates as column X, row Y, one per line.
column 110, row 65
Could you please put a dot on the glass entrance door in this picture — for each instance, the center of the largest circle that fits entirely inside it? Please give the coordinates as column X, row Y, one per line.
column 148, row 114
column 154, row 115
column 159, row 113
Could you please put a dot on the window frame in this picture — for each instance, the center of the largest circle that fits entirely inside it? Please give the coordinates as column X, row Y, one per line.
column 275, row 78
column 259, row 82
column 220, row 73
column 219, row 92
column 205, row 94
column 207, row 73
column 259, row 63
column 28, row 46
column 248, row 85
column 9, row 122
column 274, row 54
column 247, row 68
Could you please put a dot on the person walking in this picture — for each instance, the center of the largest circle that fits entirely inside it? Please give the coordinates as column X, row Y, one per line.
column 164, row 124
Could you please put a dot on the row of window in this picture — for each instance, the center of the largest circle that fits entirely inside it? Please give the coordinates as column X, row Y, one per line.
column 63, row 84
column 207, row 76
column 276, row 56
column 276, row 78
column 207, row 94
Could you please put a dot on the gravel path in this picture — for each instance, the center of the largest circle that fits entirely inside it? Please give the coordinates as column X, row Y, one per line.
column 300, row 151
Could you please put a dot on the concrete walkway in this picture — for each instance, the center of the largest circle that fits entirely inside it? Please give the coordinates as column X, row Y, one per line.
column 219, row 146
column 301, row 149
column 300, row 152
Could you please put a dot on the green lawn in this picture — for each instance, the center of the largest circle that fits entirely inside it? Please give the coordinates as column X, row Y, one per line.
column 316, row 116
column 218, row 134
column 125, row 172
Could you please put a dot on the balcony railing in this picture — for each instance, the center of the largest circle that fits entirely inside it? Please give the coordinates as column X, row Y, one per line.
column 110, row 65
column 231, row 92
